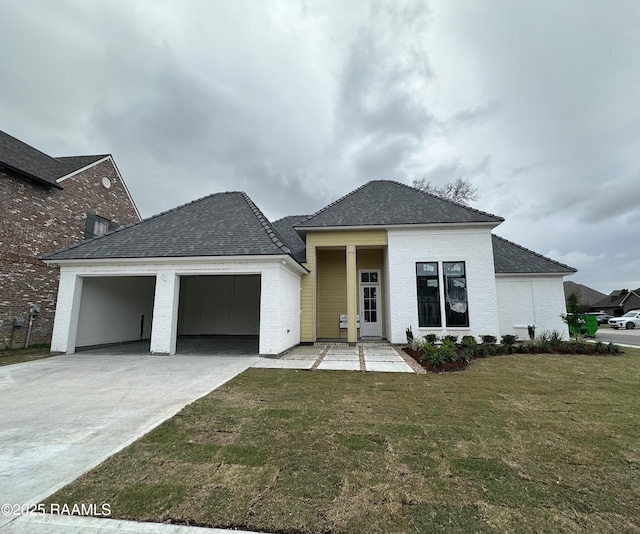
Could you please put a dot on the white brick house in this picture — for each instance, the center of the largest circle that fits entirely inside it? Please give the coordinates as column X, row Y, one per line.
column 381, row 259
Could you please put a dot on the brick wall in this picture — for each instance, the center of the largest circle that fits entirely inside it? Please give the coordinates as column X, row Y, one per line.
column 36, row 220
column 473, row 246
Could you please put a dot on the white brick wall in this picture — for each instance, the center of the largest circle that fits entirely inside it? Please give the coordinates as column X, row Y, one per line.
column 279, row 302
column 471, row 245
column 525, row 300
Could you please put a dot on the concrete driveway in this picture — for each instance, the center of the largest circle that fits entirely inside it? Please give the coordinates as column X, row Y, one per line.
column 61, row 416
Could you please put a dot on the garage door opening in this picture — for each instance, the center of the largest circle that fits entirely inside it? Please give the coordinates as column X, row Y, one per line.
column 219, row 314
column 115, row 309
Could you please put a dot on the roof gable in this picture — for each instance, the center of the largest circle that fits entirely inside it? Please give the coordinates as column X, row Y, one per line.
column 388, row 203
column 510, row 258
column 222, row 224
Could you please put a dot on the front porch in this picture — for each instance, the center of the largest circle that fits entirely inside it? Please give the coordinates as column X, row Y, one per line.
column 346, row 292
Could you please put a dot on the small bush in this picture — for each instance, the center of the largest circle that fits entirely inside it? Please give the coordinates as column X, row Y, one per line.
column 466, row 355
column 431, row 338
column 469, row 342
column 556, row 337
column 436, row 358
column 489, row 340
column 509, row 340
column 453, row 339
column 448, row 351
column 426, row 349
column 612, row 348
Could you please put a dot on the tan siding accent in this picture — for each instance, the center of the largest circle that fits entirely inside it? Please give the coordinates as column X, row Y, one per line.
column 309, row 320
column 331, row 297
column 360, row 238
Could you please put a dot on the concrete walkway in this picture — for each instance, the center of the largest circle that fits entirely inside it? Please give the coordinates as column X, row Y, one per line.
column 340, row 357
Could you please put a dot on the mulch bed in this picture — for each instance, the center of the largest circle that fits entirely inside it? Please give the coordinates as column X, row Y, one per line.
column 444, row 367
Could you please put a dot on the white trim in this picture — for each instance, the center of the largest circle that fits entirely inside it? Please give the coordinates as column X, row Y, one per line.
column 182, row 260
column 378, row 310
column 78, row 171
column 125, row 187
column 110, row 158
column 529, row 275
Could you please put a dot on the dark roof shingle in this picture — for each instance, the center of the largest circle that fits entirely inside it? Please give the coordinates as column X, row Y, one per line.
column 222, row 224
column 285, row 228
column 387, row 203
column 510, row 258
column 28, row 161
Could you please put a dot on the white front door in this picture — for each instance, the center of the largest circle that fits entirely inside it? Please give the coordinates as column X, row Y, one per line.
column 370, row 309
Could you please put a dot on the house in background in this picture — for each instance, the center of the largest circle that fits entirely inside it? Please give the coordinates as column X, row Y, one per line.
column 376, row 261
column 47, row 203
column 587, row 296
column 618, row 302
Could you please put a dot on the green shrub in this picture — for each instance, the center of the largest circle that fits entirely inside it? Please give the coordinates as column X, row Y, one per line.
column 448, row 351
column 469, row 342
column 489, row 340
column 453, row 339
column 426, row 349
column 600, row 347
column 509, row 340
column 556, row 337
column 612, row 348
column 431, row 338
column 435, row 357
column 466, row 355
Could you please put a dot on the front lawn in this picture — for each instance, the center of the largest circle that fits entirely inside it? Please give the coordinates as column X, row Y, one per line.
column 538, row 443
column 35, row 352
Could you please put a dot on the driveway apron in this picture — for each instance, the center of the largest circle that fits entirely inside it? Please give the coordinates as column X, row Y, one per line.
column 64, row 415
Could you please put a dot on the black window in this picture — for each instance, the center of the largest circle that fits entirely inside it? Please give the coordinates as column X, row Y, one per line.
column 455, row 292
column 97, row 225
column 428, row 294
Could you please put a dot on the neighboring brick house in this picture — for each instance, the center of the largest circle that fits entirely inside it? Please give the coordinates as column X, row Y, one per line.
column 47, row 203
column 618, row 302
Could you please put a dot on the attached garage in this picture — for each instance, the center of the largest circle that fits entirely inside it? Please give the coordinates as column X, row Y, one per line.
column 214, row 267
column 219, row 305
column 115, row 309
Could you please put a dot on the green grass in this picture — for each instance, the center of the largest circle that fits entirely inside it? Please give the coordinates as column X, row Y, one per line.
column 539, row 443
column 35, row 352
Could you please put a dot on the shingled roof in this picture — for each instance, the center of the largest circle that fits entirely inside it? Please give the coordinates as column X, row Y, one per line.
column 222, row 224
column 285, row 227
column 388, row 203
column 510, row 258
column 21, row 158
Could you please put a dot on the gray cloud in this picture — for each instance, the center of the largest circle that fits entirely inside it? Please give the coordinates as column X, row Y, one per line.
column 300, row 103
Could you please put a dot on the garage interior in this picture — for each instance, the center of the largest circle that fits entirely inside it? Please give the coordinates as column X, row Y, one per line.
column 115, row 309
column 219, row 314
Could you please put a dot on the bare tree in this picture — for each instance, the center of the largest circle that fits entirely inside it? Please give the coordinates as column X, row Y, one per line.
column 460, row 190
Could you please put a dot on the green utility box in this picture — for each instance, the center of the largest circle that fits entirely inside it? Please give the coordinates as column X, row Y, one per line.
column 588, row 326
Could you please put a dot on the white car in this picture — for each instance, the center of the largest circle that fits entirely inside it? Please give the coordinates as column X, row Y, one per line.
column 629, row 320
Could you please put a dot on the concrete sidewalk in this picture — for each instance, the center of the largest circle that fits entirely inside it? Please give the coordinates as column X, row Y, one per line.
column 340, row 357
column 57, row 524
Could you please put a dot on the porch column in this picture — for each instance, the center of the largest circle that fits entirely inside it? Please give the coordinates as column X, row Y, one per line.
column 352, row 295
column 65, row 326
column 164, row 328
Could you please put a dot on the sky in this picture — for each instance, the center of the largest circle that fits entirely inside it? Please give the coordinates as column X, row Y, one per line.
column 299, row 102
